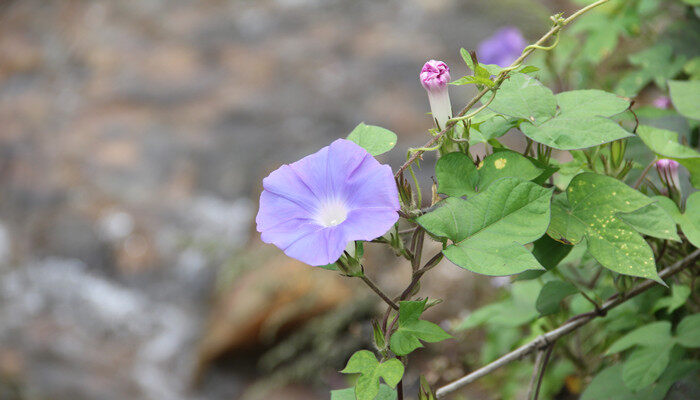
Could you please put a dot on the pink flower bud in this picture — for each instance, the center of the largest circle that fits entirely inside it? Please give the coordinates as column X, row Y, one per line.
column 668, row 171
column 434, row 77
column 662, row 102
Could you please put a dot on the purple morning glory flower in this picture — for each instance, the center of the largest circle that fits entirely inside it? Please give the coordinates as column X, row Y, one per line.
column 312, row 208
column 502, row 48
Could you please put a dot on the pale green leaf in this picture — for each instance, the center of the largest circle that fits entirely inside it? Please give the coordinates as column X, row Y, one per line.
column 653, row 221
column 665, row 144
column 678, row 297
column 591, row 211
column 688, row 331
column 645, row 365
column 690, row 220
column 385, row 393
column 606, row 385
column 685, row 96
column 522, row 96
column 363, row 362
column 376, row 140
column 490, row 228
column 653, row 334
column 575, row 131
column 591, row 103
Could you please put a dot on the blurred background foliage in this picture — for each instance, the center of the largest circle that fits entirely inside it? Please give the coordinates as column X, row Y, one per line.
column 134, row 135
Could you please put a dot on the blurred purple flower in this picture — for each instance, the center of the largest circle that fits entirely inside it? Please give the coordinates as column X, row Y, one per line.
column 434, row 76
column 312, row 208
column 502, row 48
column 662, row 102
column 668, row 171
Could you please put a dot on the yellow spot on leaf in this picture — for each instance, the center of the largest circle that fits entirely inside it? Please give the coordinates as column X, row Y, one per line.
column 500, row 163
column 481, row 164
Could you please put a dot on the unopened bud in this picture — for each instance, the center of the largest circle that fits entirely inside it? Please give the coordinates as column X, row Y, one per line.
column 434, row 76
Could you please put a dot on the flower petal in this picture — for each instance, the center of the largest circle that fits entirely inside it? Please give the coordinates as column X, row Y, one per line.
column 284, row 182
column 275, row 209
column 372, row 185
column 320, row 247
column 369, row 223
column 286, row 233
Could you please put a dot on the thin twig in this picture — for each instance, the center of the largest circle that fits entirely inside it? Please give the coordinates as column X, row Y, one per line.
column 378, row 291
column 570, row 326
column 543, row 369
column 644, row 173
column 539, row 359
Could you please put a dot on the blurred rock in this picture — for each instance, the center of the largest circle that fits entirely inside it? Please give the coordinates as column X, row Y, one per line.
column 266, row 300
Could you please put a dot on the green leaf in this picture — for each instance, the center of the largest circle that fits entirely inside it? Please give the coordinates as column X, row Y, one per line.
column 456, row 175
column 552, row 294
column 385, row 393
column 591, row 103
column 685, row 96
column 512, row 312
column 505, row 164
column 522, row 96
column 575, row 131
column 493, row 127
column 490, row 229
column 653, row 334
column 679, row 294
column 591, row 211
column 527, row 69
column 467, row 58
column 690, row 220
column 478, row 80
column 376, row 140
column 549, row 253
column 363, row 362
column 653, row 221
column 688, row 331
column 665, row 144
column 412, row 329
column 645, row 365
column 606, row 385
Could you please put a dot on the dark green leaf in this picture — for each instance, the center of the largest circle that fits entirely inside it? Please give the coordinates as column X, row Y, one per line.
column 552, row 294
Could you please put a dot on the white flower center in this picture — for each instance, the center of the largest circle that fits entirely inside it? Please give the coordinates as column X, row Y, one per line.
column 331, row 213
